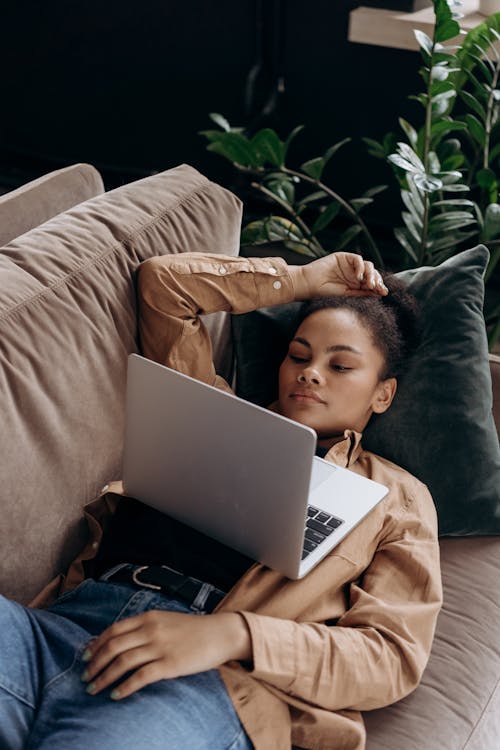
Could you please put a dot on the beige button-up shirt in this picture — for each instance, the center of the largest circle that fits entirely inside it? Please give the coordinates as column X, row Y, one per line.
column 353, row 635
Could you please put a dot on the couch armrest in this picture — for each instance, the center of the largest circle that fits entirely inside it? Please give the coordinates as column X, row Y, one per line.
column 38, row 201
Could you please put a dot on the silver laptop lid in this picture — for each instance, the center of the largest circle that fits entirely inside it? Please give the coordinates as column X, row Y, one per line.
column 230, row 469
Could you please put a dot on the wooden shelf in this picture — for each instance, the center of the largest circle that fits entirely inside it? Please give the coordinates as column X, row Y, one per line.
column 389, row 28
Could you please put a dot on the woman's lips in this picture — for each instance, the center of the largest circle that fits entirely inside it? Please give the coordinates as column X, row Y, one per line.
column 302, row 397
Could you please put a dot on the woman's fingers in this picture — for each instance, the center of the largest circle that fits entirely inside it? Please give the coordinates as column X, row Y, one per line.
column 146, row 675
column 360, row 274
column 111, row 649
column 372, row 279
column 120, row 665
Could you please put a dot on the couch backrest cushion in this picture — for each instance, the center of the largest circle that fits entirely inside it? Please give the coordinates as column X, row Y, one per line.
column 495, row 381
column 38, row 201
column 67, row 325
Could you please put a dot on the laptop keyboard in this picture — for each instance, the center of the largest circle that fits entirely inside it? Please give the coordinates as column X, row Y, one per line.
column 319, row 526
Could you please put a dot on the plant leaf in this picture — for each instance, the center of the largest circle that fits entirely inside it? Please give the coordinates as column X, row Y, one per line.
column 473, row 104
column 476, row 129
column 283, row 189
column 427, row 183
column 374, row 191
column 326, row 217
column 280, row 228
column 402, row 163
column 454, row 202
column 451, row 216
column 347, row 237
column 443, row 96
column 453, row 162
column 314, row 167
column 312, row 197
column 254, row 233
column 424, row 41
column 411, row 226
column 290, row 138
column 491, row 222
column 453, row 224
column 374, row 148
column 333, row 149
column 457, row 188
column 447, row 31
column 410, row 204
column 267, row 148
column 305, row 247
column 440, row 73
column 486, row 178
column 445, row 126
column 220, row 120
column 235, row 147
column 408, row 153
column 359, row 203
column 409, row 131
column 402, row 238
column 417, row 197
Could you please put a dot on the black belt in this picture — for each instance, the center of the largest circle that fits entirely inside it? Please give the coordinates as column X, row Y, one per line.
column 168, row 581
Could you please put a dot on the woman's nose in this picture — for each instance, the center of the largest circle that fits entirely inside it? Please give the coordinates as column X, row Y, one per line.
column 310, row 375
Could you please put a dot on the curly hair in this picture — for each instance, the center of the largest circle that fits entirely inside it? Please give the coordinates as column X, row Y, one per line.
column 393, row 321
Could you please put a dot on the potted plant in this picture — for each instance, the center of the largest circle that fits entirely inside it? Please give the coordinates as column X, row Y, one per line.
column 446, row 167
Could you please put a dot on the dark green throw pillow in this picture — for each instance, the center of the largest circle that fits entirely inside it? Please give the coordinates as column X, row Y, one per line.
column 440, row 426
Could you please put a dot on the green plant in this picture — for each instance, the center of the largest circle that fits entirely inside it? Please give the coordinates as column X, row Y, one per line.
column 296, row 192
column 454, row 151
column 447, row 169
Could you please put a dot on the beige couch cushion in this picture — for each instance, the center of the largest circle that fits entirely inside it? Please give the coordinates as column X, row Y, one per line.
column 457, row 705
column 40, row 200
column 67, row 324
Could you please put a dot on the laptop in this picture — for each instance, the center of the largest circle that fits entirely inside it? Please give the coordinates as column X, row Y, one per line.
column 235, row 471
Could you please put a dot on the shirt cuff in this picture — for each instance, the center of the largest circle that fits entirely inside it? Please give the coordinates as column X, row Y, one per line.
column 275, row 285
column 271, row 639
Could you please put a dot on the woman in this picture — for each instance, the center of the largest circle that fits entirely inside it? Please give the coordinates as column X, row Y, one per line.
column 278, row 662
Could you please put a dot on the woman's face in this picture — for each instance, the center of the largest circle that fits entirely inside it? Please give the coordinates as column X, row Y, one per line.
column 330, row 378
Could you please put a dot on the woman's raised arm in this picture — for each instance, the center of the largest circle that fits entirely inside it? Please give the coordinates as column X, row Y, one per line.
column 175, row 290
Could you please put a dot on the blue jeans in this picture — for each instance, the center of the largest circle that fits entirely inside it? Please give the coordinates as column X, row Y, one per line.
column 43, row 703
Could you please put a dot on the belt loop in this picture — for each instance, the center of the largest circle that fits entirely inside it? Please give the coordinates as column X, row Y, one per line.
column 201, row 597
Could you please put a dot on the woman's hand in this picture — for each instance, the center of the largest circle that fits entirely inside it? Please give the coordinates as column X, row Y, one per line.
column 338, row 274
column 159, row 645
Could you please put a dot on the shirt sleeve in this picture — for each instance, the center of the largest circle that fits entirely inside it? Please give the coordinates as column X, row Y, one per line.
column 377, row 651
column 175, row 290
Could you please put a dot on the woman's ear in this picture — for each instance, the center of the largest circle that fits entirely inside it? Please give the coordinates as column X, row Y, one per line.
column 385, row 392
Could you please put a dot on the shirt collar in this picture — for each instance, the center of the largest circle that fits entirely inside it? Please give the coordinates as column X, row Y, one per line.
column 343, row 450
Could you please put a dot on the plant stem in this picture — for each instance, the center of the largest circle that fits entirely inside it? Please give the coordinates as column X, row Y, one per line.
column 425, row 159
column 489, row 117
column 347, row 208
column 287, row 207
column 425, row 229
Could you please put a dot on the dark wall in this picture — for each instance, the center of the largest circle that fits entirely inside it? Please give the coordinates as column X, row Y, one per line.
column 126, row 86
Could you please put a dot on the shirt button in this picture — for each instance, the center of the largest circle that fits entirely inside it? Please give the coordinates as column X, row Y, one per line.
column 277, row 285
column 273, row 270
column 95, row 545
column 222, row 270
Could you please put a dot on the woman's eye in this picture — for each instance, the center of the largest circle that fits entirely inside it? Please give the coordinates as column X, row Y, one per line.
column 295, row 358
column 340, row 368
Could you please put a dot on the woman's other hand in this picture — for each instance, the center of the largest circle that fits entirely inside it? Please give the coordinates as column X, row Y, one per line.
column 338, row 274
column 159, row 645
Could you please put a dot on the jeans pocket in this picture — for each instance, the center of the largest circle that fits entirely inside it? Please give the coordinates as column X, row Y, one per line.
column 63, row 598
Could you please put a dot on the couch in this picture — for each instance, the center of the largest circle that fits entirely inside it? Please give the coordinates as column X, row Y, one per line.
column 68, row 323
